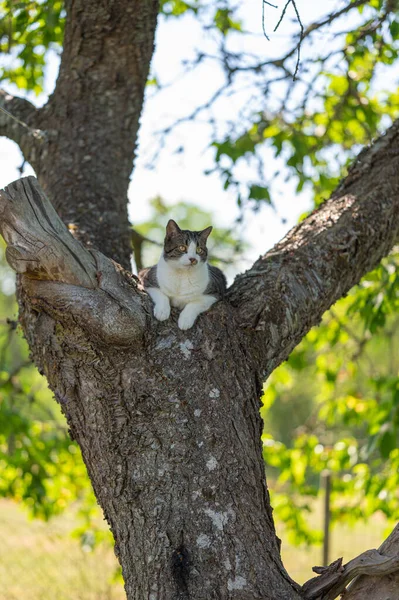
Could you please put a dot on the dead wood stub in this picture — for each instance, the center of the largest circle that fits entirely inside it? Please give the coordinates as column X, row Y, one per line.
column 62, row 277
column 333, row 579
column 39, row 244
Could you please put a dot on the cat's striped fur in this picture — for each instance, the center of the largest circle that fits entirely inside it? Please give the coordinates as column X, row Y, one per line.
column 182, row 277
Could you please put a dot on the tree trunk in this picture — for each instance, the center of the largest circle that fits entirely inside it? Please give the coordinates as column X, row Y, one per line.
column 84, row 155
column 167, row 421
column 170, row 433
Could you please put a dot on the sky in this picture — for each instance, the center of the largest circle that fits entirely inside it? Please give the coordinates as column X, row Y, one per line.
column 181, row 176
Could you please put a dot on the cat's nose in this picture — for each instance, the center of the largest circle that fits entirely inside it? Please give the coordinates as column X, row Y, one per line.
column 193, row 261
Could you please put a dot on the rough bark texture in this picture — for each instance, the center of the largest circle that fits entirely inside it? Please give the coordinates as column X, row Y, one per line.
column 170, row 434
column 169, row 425
column 287, row 290
column 374, row 587
column 167, row 421
column 91, row 120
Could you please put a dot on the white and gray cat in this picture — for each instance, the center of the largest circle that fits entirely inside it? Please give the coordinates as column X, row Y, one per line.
column 182, row 278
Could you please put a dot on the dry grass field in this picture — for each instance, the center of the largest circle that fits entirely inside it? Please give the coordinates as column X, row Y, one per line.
column 42, row 561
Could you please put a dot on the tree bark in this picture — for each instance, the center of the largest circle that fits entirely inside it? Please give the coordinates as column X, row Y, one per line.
column 288, row 289
column 90, row 122
column 167, row 421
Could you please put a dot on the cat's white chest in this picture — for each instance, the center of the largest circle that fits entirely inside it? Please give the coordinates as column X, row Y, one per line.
column 182, row 285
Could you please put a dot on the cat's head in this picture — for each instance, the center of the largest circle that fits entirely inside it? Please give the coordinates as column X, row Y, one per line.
column 184, row 248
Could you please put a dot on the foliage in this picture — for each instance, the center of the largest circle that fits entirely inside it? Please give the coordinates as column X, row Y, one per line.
column 342, row 107
column 176, row 8
column 335, row 105
column 28, row 30
column 341, row 389
column 222, row 15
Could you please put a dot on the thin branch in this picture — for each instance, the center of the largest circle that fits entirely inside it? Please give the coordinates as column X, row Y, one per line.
column 18, row 118
column 263, row 17
column 300, row 38
column 314, row 27
column 162, row 133
column 265, row 78
column 35, row 132
column 282, row 15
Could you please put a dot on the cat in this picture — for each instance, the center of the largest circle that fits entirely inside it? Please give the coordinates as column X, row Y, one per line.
column 182, row 278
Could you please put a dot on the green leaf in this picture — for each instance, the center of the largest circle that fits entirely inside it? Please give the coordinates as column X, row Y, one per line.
column 259, row 193
column 387, row 443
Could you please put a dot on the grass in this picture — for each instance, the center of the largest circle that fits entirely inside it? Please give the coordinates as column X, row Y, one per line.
column 345, row 540
column 41, row 561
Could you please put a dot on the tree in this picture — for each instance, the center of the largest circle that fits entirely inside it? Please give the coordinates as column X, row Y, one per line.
column 183, row 489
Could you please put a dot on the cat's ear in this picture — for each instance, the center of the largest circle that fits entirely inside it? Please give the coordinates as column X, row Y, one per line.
column 205, row 233
column 172, row 228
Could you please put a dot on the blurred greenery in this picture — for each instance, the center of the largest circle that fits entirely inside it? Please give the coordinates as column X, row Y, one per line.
column 334, row 404
column 39, row 465
column 28, row 30
column 338, row 102
column 339, row 107
column 39, row 560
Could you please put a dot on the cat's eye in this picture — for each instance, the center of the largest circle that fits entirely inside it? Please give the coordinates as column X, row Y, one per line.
column 182, row 248
column 200, row 250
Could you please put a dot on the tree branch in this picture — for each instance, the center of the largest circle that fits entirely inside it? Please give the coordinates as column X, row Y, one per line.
column 305, row 33
column 20, row 124
column 373, row 574
column 333, row 579
column 63, row 278
column 287, row 290
column 374, row 586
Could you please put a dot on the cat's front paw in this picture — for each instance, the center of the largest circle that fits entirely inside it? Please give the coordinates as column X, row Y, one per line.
column 186, row 319
column 162, row 311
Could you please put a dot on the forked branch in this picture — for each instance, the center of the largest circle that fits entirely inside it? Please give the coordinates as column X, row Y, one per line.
column 63, row 277
column 288, row 289
column 18, row 122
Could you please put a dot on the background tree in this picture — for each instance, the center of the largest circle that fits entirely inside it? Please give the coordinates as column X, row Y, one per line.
column 362, row 227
